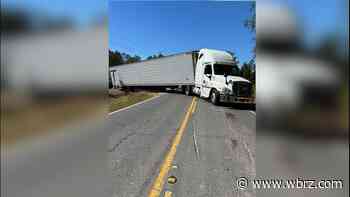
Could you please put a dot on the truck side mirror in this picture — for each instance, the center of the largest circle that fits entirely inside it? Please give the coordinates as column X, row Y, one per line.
column 208, row 75
column 225, row 75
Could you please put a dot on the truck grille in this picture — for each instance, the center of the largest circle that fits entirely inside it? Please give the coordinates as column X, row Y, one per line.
column 242, row 89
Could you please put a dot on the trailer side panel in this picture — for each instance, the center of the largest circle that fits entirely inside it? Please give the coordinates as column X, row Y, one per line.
column 166, row 71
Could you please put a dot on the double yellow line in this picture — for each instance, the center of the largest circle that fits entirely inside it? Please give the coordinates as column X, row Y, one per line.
column 158, row 184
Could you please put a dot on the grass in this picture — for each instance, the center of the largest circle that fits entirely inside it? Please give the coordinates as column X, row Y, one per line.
column 129, row 99
column 44, row 118
column 39, row 119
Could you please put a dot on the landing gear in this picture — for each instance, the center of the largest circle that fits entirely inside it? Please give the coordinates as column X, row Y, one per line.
column 188, row 90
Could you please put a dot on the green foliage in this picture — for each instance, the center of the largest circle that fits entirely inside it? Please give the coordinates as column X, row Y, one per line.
column 250, row 22
column 132, row 59
column 236, row 70
column 331, row 47
column 117, row 58
column 248, row 71
column 155, row 56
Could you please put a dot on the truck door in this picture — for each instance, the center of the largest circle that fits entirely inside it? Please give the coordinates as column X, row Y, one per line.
column 206, row 81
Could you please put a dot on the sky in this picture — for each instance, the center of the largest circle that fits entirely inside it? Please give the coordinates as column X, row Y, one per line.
column 319, row 18
column 81, row 12
column 147, row 28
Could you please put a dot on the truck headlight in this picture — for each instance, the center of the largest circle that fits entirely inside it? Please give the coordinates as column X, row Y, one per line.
column 226, row 90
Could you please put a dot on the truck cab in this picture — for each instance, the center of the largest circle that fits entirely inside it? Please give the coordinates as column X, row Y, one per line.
column 216, row 79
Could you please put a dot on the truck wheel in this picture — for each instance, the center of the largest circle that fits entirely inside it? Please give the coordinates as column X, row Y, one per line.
column 214, row 97
column 188, row 91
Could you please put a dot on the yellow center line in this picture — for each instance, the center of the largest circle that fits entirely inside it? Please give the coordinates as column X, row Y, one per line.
column 194, row 107
column 158, row 184
column 168, row 194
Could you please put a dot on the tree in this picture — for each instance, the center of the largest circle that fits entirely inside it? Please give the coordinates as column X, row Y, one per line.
column 329, row 47
column 15, row 21
column 250, row 23
column 236, row 70
column 155, row 56
column 115, row 58
column 150, row 57
column 333, row 50
column 133, row 59
column 248, row 71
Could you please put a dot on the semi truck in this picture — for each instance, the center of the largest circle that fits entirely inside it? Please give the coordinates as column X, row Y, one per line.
column 207, row 73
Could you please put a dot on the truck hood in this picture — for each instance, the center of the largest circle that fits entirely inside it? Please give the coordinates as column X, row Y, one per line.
column 221, row 79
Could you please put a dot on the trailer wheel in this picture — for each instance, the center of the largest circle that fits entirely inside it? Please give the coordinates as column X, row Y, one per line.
column 188, row 90
column 214, row 97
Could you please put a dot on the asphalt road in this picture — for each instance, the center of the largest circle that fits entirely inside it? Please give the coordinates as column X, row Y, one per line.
column 217, row 146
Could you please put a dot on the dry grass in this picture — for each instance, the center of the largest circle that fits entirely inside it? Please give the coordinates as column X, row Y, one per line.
column 25, row 120
column 128, row 99
column 38, row 119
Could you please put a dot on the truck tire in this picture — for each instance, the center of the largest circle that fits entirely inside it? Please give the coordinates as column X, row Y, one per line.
column 214, row 97
column 188, row 90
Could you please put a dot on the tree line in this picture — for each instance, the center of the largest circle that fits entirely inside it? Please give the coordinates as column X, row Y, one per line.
column 118, row 58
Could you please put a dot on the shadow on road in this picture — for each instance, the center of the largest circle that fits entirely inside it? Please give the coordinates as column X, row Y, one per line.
column 237, row 106
column 240, row 106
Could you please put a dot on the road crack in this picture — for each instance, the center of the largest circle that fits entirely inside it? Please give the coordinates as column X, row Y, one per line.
column 125, row 138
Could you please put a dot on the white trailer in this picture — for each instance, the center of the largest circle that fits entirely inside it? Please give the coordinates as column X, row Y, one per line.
column 169, row 71
column 207, row 73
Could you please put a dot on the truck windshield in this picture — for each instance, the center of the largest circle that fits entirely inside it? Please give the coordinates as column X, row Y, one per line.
column 222, row 69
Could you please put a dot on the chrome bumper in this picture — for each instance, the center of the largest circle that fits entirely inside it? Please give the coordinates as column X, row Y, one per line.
column 234, row 99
